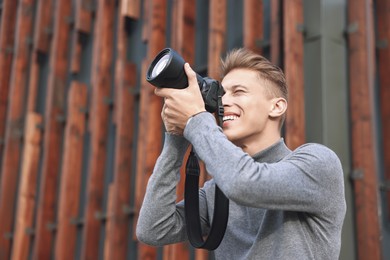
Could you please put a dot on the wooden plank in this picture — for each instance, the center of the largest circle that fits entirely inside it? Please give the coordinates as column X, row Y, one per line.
column 383, row 30
column 7, row 37
column 27, row 193
column 43, row 28
column 122, row 79
column 275, row 32
column 125, row 84
column 293, row 67
column 53, row 131
column 83, row 26
column 179, row 251
column 109, row 224
column 217, row 33
column 70, row 182
column 35, row 68
column 43, row 25
column 120, row 221
column 145, row 20
column 84, row 10
column 184, row 26
column 175, row 24
column 99, row 113
column 157, row 22
column 150, row 138
column 15, row 123
column 201, row 254
column 131, row 8
column 253, row 25
column 361, row 50
column 75, row 65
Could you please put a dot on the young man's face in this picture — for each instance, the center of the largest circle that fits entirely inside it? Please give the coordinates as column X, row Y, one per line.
column 246, row 106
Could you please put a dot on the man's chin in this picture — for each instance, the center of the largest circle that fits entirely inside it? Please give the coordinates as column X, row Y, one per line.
column 230, row 136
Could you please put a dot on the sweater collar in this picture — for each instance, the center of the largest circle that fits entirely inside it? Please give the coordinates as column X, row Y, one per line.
column 273, row 153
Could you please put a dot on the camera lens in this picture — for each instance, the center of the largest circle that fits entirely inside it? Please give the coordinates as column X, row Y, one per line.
column 160, row 66
column 167, row 70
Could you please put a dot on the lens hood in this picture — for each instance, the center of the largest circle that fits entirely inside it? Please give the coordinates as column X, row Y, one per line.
column 172, row 75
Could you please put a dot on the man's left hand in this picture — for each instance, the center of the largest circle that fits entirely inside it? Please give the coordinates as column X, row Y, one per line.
column 181, row 104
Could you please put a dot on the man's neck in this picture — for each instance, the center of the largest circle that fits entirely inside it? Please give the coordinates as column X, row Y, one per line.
column 255, row 146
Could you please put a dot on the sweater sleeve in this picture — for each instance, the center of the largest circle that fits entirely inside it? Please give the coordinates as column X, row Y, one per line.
column 161, row 220
column 306, row 180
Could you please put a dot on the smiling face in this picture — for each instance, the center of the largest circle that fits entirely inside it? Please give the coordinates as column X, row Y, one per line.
column 247, row 109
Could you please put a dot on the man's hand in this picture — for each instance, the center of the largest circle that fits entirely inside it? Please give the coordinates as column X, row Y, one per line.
column 181, row 104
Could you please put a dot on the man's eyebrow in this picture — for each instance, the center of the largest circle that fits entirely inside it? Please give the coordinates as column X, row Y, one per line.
column 234, row 87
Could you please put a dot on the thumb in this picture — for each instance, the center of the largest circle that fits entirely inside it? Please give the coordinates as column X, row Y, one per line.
column 191, row 75
column 193, row 88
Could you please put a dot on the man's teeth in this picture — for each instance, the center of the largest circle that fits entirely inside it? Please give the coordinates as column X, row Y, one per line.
column 226, row 118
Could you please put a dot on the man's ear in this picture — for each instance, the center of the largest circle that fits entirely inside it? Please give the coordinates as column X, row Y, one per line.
column 278, row 107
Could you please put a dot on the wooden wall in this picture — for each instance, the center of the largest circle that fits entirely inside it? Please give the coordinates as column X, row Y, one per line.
column 80, row 127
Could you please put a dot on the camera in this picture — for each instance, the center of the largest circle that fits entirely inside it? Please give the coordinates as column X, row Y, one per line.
column 167, row 71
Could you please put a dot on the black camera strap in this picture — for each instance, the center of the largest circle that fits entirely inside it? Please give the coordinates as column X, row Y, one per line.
column 191, row 208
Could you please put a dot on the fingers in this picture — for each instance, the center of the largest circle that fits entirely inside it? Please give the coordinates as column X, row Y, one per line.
column 170, row 125
column 169, row 92
column 163, row 112
column 168, row 111
column 191, row 75
column 162, row 92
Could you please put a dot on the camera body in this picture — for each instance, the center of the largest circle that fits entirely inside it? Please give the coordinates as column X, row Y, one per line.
column 167, row 71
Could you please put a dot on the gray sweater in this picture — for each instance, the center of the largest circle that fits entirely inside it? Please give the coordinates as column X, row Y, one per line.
column 283, row 204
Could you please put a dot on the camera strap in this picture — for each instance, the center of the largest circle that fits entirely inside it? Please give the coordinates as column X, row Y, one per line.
column 191, row 208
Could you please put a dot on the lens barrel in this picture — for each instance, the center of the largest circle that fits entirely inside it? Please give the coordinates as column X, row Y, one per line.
column 172, row 75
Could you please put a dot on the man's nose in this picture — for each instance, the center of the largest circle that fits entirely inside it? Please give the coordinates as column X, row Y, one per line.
column 226, row 99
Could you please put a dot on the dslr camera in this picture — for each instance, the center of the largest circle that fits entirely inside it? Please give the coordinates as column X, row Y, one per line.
column 167, row 71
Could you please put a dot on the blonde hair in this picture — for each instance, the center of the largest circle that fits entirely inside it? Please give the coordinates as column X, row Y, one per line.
column 243, row 58
column 246, row 59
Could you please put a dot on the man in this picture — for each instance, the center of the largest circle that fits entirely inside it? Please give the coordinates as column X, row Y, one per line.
column 283, row 204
